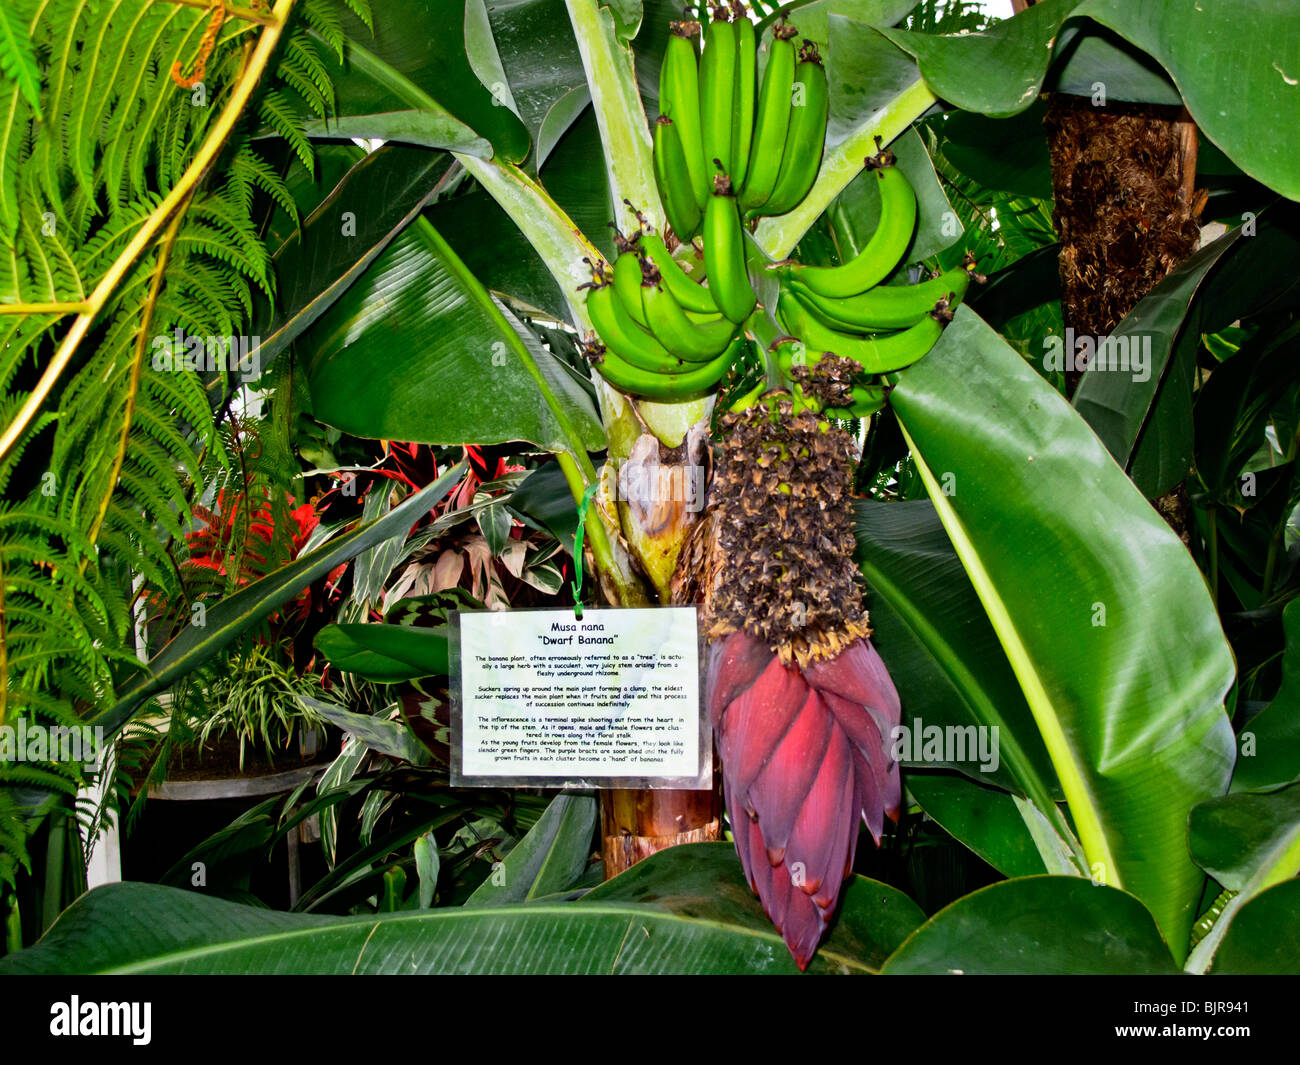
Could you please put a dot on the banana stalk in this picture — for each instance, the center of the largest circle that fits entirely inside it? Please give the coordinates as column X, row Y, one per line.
column 624, row 132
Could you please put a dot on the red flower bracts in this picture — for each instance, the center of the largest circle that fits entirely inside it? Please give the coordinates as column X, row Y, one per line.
column 804, row 754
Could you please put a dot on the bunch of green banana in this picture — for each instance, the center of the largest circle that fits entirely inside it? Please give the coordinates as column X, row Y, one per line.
column 727, row 150
column 768, row 140
column 845, row 310
column 882, row 252
column 660, row 334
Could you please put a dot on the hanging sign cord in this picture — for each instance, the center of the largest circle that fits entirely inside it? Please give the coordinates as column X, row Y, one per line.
column 577, row 548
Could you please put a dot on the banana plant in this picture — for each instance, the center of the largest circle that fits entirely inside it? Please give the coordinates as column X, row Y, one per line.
column 1073, row 625
column 1053, row 762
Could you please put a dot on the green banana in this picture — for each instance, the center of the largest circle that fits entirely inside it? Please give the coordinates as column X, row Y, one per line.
column 806, row 135
column 627, row 286
column 690, row 294
column 742, row 99
column 674, row 180
column 773, row 120
column 717, row 91
column 883, row 354
column 703, row 317
column 621, row 335
column 724, row 253
column 679, row 99
column 667, row 387
column 883, row 251
column 686, row 339
column 749, row 398
column 867, row 400
column 886, row 307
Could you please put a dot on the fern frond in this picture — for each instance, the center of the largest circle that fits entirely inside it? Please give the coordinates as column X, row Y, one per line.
column 18, row 57
column 279, row 114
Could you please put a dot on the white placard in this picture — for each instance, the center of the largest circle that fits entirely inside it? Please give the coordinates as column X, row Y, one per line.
column 613, row 699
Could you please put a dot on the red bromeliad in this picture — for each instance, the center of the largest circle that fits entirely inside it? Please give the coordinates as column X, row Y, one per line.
column 802, row 706
column 216, row 545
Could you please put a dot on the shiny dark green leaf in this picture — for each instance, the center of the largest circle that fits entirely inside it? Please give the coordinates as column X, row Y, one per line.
column 1268, row 753
column 1239, row 77
column 1265, row 936
column 418, row 328
column 1250, row 840
column 422, row 43
column 343, row 233
column 385, row 653
column 1038, row 925
column 985, row 819
column 549, row 859
column 936, row 639
column 684, row 910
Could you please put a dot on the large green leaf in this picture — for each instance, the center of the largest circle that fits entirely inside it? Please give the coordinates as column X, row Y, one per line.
column 1100, row 609
column 1269, row 744
column 1089, row 57
column 543, row 66
column 1265, row 937
column 418, row 330
column 997, row 72
column 1212, row 53
column 197, row 643
column 704, row 880
column 1248, row 842
column 549, row 859
column 343, row 234
column 396, row 78
column 684, row 910
column 1039, row 925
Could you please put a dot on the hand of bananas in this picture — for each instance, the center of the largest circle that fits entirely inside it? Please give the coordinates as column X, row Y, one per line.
column 727, row 151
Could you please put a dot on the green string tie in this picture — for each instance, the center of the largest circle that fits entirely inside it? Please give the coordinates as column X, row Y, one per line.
column 577, row 548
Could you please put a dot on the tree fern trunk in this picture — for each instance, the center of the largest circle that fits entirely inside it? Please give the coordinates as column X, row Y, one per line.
column 1123, row 176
